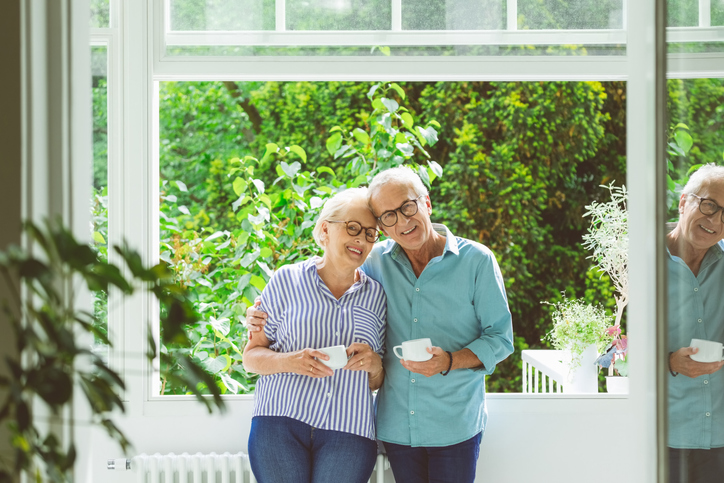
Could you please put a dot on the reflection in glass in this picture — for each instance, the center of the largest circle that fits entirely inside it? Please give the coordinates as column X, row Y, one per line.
column 239, row 15
column 99, row 202
column 695, row 269
column 717, row 13
column 574, row 14
column 100, row 16
column 339, row 15
column 682, row 13
column 453, row 14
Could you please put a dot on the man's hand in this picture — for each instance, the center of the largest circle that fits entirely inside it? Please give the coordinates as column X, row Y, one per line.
column 680, row 362
column 255, row 319
column 439, row 363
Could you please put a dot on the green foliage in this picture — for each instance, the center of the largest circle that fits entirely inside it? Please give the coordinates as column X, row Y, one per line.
column 578, row 324
column 48, row 330
column 228, row 247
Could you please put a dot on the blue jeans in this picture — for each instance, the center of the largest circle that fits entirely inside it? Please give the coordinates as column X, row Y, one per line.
column 284, row 450
column 435, row 464
column 696, row 465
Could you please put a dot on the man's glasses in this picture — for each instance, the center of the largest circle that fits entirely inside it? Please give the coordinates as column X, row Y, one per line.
column 708, row 207
column 408, row 208
column 354, row 229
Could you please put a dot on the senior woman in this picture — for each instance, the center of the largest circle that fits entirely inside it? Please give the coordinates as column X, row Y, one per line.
column 696, row 311
column 311, row 423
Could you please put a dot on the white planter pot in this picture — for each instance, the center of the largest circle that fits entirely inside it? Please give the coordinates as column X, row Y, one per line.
column 584, row 378
column 617, row 384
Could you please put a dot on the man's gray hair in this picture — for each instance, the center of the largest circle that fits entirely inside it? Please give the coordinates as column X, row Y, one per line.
column 336, row 206
column 706, row 174
column 401, row 175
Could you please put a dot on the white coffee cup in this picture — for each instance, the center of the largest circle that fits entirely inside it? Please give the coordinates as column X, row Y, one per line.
column 414, row 350
column 709, row 350
column 337, row 356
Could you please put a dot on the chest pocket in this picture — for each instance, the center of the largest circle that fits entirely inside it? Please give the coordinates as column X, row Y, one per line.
column 367, row 328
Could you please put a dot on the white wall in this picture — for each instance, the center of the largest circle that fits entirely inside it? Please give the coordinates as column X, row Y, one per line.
column 530, row 438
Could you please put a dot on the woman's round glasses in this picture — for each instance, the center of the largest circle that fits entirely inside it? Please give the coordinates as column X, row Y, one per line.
column 708, row 207
column 408, row 208
column 354, row 228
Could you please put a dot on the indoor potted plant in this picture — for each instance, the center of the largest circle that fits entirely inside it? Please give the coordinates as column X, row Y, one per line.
column 579, row 329
column 607, row 237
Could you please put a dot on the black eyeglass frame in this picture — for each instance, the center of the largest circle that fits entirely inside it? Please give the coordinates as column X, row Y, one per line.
column 361, row 228
column 718, row 208
column 400, row 209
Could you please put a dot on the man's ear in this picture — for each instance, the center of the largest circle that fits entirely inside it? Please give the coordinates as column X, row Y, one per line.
column 682, row 202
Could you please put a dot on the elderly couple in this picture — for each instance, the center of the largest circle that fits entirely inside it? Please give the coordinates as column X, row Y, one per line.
column 313, row 424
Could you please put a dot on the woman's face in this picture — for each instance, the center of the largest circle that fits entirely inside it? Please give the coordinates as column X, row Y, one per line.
column 342, row 249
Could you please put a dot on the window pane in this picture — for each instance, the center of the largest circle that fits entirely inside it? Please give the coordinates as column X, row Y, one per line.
column 100, row 14
column 222, row 15
column 717, row 13
column 570, row 14
column 683, row 13
column 99, row 203
column 453, row 15
column 522, row 138
column 339, row 15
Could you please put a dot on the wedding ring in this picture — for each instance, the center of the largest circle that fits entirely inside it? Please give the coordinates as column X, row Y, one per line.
column 311, row 368
column 361, row 363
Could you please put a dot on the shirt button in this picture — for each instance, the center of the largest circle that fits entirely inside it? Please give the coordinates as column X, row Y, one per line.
column 417, row 290
column 696, row 289
column 413, row 412
column 700, row 321
column 336, row 333
column 708, row 414
column 706, row 381
column 414, row 320
column 329, row 394
column 412, row 380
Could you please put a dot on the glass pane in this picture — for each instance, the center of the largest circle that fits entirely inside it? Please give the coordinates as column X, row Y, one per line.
column 683, row 13
column 453, row 15
column 99, row 203
column 400, row 51
column 338, row 15
column 222, row 15
column 533, row 148
column 100, row 14
column 717, row 13
column 570, row 14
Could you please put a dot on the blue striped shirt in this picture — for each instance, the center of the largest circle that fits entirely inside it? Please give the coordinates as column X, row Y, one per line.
column 303, row 313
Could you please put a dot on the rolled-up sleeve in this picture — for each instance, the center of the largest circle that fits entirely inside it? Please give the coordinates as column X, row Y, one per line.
column 491, row 307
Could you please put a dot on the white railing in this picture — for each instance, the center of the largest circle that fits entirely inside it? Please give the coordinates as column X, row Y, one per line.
column 546, row 371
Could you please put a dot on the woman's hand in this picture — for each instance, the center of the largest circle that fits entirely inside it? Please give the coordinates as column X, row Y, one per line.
column 255, row 318
column 308, row 362
column 363, row 358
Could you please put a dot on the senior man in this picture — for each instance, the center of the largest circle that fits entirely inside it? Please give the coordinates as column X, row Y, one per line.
column 448, row 289
column 696, row 311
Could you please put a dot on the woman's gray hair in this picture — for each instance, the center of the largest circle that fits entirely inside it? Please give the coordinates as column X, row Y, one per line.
column 336, row 206
column 706, row 174
column 401, row 175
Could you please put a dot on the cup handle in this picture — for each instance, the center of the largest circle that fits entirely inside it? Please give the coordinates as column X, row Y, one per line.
column 394, row 349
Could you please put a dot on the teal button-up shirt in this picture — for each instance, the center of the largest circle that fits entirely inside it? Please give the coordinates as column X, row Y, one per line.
column 696, row 311
column 458, row 301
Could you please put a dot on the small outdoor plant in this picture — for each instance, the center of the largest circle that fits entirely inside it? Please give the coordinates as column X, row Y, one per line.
column 614, row 359
column 607, row 238
column 576, row 325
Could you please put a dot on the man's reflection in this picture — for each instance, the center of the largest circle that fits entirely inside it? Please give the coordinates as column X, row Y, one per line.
column 696, row 311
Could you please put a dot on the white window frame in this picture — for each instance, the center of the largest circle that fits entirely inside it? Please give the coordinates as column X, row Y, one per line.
column 140, row 166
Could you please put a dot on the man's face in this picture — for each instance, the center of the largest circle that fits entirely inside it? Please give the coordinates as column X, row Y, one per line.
column 410, row 232
column 702, row 231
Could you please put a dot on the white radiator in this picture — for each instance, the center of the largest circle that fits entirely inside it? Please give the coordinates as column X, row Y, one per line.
column 204, row 468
